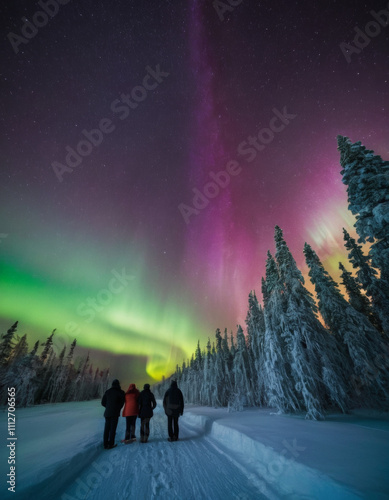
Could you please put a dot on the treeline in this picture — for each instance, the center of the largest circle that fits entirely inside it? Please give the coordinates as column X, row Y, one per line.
column 44, row 377
column 289, row 359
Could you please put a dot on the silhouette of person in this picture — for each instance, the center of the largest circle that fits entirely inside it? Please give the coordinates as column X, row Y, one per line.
column 130, row 411
column 147, row 404
column 113, row 400
column 173, row 404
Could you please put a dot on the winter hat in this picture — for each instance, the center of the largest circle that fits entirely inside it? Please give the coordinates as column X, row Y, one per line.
column 146, row 386
column 115, row 383
column 174, row 383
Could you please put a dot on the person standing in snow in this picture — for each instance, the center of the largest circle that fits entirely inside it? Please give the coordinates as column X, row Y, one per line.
column 130, row 412
column 113, row 400
column 147, row 404
column 173, row 404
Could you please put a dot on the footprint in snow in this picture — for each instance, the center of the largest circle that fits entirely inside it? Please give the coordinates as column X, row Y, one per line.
column 160, row 482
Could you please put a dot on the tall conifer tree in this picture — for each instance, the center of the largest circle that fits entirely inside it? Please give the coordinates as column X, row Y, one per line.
column 312, row 352
column 255, row 322
column 356, row 298
column 361, row 338
column 279, row 384
column 366, row 176
column 7, row 344
column 376, row 288
column 243, row 375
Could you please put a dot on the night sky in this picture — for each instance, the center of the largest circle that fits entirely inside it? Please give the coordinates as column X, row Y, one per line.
column 117, row 247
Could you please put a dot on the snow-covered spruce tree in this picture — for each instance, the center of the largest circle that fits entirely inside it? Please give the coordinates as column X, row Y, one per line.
column 255, row 322
column 104, row 381
column 80, row 389
column 60, row 380
column 34, row 350
column 356, row 298
column 226, row 352
column 64, row 390
column 45, row 367
column 11, row 351
column 94, row 393
column 22, row 374
column 221, row 390
column 7, row 344
column 57, row 378
column 75, row 379
column 198, row 357
column 278, row 381
column 233, row 347
column 313, row 354
column 20, row 350
column 184, row 381
column 197, row 371
column 361, row 338
column 243, row 376
column 88, row 385
column 192, row 386
column 47, row 347
column 228, row 364
column 366, row 176
column 191, row 381
column 30, row 380
column 376, row 288
column 207, row 378
column 46, row 376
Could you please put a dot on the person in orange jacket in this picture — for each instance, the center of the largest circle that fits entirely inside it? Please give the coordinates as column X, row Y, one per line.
column 130, row 411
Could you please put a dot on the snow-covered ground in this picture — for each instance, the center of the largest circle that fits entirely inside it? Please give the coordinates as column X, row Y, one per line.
column 247, row 455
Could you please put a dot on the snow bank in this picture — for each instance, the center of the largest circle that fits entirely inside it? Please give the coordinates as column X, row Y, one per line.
column 197, row 422
column 275, row 473
column 280, row 471
column 54, row 441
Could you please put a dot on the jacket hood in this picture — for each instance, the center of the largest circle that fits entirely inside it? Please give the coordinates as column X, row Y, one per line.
column 132, row 388
column 173, row 384
column 115, row 383
column 146, row 387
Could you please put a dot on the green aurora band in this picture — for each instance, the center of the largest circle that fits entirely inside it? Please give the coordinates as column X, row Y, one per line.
column 128, row 320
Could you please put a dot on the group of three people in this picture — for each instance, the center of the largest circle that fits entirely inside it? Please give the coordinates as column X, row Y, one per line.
column 139, row 404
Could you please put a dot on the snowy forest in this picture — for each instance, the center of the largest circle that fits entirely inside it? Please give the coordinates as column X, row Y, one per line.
column 305, row 355
column 46, row 377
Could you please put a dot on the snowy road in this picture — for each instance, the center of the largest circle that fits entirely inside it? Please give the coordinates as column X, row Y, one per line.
column 193, row 468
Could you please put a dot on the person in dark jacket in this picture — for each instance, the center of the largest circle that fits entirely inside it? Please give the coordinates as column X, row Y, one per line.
column 147, row 404
column 130, row 411
column 113, row 400
column 173, row 404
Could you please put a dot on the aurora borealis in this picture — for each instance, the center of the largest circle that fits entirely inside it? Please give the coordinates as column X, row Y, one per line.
column 117, row 211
